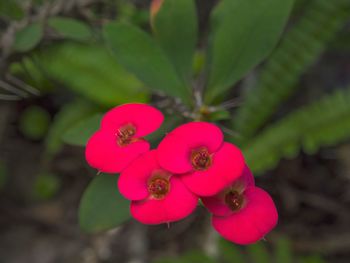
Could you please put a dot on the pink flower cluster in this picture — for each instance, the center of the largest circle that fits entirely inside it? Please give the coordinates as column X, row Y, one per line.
column 193, row 161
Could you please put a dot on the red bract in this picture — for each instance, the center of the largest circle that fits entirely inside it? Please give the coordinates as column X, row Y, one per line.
column 196, row 151
column 119, row 140
column 242, row 213
column 157, row 196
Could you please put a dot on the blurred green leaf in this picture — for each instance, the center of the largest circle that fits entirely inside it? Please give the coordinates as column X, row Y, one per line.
column 28, row 72
column 11, row 9
column 102, row 207
column 322, row 123
column 91, row 71
column 312, row 259
column 230, row 252
column 283, row 251
column 179, row 38
column 28, row 37
column 70, row 28
column 170, row 122
column 70, row 114
column 82, row 131
column 219, row 115
column 141, row 55
column 46, row 186
column 34, row 122
column 198, row 62
column 258, row 253
column 244, row 33
column 300, row 48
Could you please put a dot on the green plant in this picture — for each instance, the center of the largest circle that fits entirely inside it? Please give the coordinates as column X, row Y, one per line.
column 119, row 63
column 34, row 122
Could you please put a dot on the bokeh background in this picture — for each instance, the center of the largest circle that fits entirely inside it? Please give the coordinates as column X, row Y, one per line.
column 52, row 68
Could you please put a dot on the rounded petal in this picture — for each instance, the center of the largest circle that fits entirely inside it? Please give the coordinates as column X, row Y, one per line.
column 251, row 223
column 216, row 203
column 178, row 204
column 174, row 151
column 227, row 165
column 132, row 182
column 145, row 118
column 103, row 153
column 174, row 155
column 244, row 181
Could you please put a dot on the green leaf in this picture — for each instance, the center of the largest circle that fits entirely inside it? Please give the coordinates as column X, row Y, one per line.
column 102, row 207
column 69, row 115
column 34, row 122
column 230, row 253
column 300, row 48
column 179, row 38
column 219, row 115
column 91, row 71
column 82, row 131
column 258, row 253
column 313, row 259
column 70, row 28
column 11, row 9
column 46, row 186
column 141, row 55
column 170, row 122
column 244, row 33
column 322, row 123
column 28, row 37
column 283, row 251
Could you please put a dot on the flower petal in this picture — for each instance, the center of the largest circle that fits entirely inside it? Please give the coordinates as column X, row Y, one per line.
column 174, row 155
column 103, row 153
column 132, row 182
column 227, row 166
column 174, row 151
column 178, row 204
column 145, row 118
column 251, row 223
column 216, row 203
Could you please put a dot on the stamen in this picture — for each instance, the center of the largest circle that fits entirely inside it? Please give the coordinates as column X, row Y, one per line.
column 125, row 134
column 158, row 187
column 234, row 200
column 201, row 159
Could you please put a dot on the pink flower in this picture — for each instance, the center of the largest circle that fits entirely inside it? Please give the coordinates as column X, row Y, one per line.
column 197, row 151
column 119, row 140
column 157, row 196
column 242, row 213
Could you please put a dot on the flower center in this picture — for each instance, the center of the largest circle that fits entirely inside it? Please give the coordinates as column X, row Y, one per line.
column 158, row 187
column 234, row 200
column 201, row 159
column 125, row 134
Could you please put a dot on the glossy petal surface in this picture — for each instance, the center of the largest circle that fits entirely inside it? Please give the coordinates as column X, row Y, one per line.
column 227, row 165
column 178, row 204
column 216, row 203
column 103, row 152
column 174, row 151
column 145, row 118
column 251, row 223
column 132, row 182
